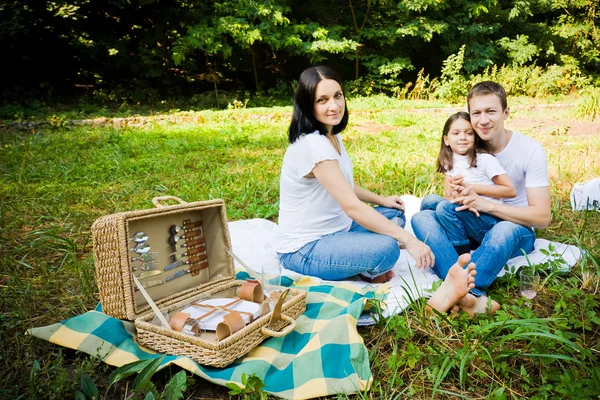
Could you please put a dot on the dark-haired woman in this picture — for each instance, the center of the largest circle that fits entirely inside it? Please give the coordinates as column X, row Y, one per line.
column 326, row 229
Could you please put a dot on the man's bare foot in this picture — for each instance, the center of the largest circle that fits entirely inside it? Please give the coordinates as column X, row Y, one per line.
column 478, row 305
column 383, row 278
column 457, row 284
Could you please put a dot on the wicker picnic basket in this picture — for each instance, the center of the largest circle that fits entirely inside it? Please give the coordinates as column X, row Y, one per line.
column 204, row 271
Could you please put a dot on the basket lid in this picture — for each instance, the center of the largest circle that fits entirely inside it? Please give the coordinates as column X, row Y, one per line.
column 176, row 251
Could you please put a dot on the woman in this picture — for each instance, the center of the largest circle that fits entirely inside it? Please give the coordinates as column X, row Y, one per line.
column 326, row 229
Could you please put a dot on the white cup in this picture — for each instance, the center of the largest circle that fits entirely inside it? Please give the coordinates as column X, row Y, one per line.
column 271, row 278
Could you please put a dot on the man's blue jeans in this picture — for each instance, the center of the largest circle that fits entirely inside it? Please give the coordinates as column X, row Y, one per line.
column 342, row 255
column 498, row 240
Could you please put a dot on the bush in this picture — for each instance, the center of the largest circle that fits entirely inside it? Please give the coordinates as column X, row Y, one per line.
column 588, row 107
column 534, row 81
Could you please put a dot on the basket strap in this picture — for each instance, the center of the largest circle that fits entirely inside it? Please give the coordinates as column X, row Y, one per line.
column 251, row 290
column 177, row 321
column 156, row 201
column 232, row 323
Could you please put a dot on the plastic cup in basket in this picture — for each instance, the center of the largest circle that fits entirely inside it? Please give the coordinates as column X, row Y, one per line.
column 271, row 278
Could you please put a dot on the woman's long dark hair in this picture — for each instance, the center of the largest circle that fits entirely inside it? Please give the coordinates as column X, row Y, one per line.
column 445, row 161
column 303, row 120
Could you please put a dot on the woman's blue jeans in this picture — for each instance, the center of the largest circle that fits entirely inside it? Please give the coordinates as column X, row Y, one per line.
column 342, row 255
column 498, row 240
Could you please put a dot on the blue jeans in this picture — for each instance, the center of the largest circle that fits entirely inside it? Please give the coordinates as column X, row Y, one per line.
column 499, row 241
column 342, row 255
column 451, row 220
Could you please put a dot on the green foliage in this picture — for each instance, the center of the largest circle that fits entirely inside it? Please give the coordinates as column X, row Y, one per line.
column 452, row 85
column 519, row 50
column 147, row 51
column 142, row 385
column 588, row 107
column 251, row 387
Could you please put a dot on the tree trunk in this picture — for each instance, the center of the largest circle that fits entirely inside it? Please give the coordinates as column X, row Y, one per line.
column 257, row 85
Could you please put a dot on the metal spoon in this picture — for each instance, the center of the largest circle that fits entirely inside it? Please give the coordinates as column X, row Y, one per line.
column 189, row 234
column 139, row 237
column 141, row 248
column 174, row 229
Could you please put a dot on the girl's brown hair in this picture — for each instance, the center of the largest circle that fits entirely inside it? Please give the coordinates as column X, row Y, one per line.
column 445, row 161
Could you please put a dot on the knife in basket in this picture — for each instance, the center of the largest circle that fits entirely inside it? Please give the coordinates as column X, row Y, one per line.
column 179, row 263
column 178, row 274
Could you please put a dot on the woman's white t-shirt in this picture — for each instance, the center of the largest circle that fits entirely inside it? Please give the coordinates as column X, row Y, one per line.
column 307, row 212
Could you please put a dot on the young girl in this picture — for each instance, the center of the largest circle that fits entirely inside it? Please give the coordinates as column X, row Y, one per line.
column 463, row 155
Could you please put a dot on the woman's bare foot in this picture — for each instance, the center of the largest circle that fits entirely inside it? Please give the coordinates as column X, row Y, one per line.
column 478, row 305
column 457, row 284
column 383, row 278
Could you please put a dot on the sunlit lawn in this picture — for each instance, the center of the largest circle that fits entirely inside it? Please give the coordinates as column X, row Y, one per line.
column 55, row 181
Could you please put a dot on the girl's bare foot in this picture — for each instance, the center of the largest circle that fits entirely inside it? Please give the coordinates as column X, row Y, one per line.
column 478, row 305
column 456, row 286
column 383, row 278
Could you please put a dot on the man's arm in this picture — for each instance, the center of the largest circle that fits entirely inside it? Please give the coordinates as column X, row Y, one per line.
column 537, row 214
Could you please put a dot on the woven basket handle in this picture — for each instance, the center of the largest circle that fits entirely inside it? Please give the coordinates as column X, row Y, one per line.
column 288, row 329
column 156, row 201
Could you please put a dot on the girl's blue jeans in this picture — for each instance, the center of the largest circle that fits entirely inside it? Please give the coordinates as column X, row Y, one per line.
column 342, row 255
column 498, row 240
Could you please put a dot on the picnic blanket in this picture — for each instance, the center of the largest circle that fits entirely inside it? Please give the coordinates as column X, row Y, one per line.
column 252, row 241
column 324, row 355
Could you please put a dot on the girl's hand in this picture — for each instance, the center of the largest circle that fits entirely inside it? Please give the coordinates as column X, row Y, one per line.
column 393, row 202
column 421, row 253
column 450, row 184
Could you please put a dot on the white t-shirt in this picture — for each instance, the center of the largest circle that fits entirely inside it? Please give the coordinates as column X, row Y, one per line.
column 307, row 212
column 525, row 162
column 487, row 167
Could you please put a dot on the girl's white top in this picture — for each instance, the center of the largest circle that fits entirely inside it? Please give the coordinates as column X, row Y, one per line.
column 307, row 212
column 486, row 168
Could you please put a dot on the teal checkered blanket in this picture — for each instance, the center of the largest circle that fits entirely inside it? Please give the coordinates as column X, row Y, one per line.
column 324, row 354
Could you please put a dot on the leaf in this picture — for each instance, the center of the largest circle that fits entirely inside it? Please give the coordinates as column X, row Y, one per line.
column 80, row 396
column 89, row 387
column 499, row 393
column 143, row 378
column 255, row 382
column 175, row 387
column 149, row 396
column 127, row 370
column 235, row 389
column 34, row 370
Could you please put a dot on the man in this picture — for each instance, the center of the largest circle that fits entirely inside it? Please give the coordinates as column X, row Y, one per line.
column 507, row 231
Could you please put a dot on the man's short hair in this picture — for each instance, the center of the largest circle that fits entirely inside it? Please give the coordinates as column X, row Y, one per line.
column 485, row 88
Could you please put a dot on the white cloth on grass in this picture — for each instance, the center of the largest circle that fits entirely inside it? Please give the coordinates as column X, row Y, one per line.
column 252, row 241
column 586, row 195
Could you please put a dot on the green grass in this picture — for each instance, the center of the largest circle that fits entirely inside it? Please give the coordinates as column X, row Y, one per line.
column 56, row 179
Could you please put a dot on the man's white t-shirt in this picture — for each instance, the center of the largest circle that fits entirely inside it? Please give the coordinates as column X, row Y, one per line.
column 525, row 162
column 307, row 212
column 487, row 167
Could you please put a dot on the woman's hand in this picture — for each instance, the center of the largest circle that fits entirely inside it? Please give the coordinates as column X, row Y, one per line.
column 421, row 253
column 393, row 202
